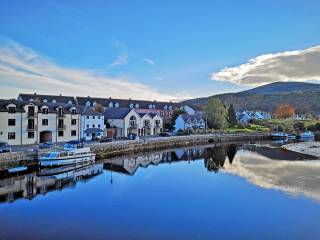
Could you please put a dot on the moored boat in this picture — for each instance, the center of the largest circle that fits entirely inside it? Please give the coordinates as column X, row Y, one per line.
column 279, row 136
column 308, row 135
column 73, row 153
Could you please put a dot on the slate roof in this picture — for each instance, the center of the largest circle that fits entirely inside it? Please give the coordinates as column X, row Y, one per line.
column 125, row 103
column 4, row 103
column 116, row 113
column 52, row 107
column 49, row 98
column 90, row 111
column 187, row 117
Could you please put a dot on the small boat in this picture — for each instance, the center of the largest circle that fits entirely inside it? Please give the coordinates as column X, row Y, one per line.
column 292, row 137
column 73, row 153
column 279, row 136
column 17, row 169
column 307, row 135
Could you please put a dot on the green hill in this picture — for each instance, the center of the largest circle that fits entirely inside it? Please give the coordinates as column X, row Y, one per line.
column 304, row 97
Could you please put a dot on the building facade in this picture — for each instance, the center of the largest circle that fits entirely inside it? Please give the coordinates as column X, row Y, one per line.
column 33, row 123
column 129, row 121
column 189, row 122
column 92, row 124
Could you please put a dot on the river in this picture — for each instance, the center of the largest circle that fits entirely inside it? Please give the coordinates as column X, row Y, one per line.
column 234, row 191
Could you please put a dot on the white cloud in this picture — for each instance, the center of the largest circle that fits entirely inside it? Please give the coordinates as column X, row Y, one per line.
column 122, row 59
column 24, row 70
column 299, row 65
column 149, row 61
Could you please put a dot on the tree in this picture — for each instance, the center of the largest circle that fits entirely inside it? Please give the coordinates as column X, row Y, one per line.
column 216, row 114
column 232, row 116
column 285, row 111
column 99, row 108
column 299, row 126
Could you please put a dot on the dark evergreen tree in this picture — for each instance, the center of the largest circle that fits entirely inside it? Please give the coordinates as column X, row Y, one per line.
column 232, row 116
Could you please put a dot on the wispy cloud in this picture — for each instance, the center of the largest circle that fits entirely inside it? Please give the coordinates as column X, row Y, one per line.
column 122, row 59
column 299, row 65
column 24, row 70
column 149, row 61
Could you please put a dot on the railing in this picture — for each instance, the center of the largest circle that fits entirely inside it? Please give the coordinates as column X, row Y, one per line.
column 133, row 124
column 61, row 127
column 31, row 115
column 31, row 127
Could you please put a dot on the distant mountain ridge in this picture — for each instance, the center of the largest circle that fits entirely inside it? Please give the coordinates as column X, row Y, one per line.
column 304, row 97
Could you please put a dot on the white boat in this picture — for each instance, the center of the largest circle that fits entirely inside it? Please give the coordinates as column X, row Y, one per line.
column 307, row 135
column 279, row 135
column 73, row 153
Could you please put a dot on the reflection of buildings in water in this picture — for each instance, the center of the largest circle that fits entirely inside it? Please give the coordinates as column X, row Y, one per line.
column 214, row 158
column 130, row 165
column 29, row 185
column 293, row 177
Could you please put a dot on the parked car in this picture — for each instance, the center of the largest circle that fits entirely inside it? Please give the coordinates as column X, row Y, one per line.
column 46, row 145
column 164, row 134
column 4, row 147
column 106, row 139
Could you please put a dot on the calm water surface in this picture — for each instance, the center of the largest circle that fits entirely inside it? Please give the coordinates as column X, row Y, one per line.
column 225, row 192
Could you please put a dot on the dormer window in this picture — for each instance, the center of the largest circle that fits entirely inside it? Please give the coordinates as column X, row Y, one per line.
column 30, row 100
column 54, row 101
column 150, row 106
column 137, row 105
column 165, row 107
column 117, row 105
column 170, row 107
column 60, row 111
column 94, row 104
column 45, row 100
column 73, row 111
column 88, row 103
column 69, row 102
column 110, row 105
column 131, row 105
column 45, row 110
column 154, row 106
column 12, row 109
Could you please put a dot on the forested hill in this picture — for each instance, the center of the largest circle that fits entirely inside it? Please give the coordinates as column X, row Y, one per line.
column 304, row 97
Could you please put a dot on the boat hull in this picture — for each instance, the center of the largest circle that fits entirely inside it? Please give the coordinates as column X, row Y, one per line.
column 49, row 162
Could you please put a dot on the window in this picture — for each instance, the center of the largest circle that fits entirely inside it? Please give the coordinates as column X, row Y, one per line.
column 98, row 117
column 93, row 117
column 30, row 134
column 87, row 125
column 73, row 111
column 60, row 133
column 12, row 109
column 11, row 122
column 73, row 121
column 31, row 111
column 45, row 110
column 60, row 111
column 93, row 125
column 11, row 135
column 73, row 133
column 88, row 117
column 45, row 122
column 98, row 125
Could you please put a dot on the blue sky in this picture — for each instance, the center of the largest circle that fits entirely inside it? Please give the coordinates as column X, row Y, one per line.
column 170, row 49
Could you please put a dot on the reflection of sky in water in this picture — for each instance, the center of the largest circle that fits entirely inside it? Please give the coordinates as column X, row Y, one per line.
column 295, row 177
column 178, row 200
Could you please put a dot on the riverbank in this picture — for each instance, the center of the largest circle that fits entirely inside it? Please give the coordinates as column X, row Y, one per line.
column 310, row 148
column 111, row 149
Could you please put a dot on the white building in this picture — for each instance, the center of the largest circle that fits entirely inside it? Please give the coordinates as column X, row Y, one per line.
column 92, row 124
column 189, row 122
column 128, row 121
column 36, row 122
